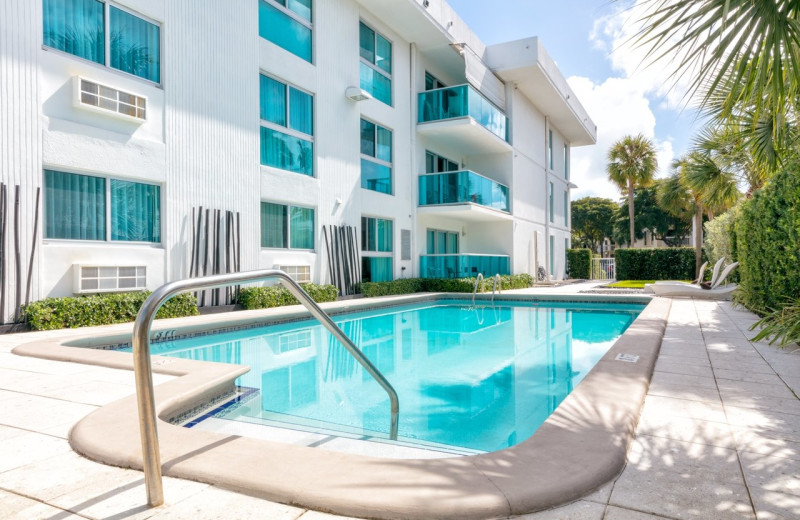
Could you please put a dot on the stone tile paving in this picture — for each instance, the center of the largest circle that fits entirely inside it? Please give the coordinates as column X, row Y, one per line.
column 718, row 438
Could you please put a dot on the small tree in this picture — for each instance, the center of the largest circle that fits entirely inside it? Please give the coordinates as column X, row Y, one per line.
column 592, row 221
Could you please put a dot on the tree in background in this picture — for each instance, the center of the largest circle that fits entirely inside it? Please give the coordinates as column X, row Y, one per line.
column 664, row 226
column 592, row 221
column 631, row 165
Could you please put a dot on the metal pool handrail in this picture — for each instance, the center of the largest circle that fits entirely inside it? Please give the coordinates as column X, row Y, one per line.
column 478, row 279
column 497, row 283
column 151, row 457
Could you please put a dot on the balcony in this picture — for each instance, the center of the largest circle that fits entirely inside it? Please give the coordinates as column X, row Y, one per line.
column 462, row 266
column 460, row 116
column 464, row 194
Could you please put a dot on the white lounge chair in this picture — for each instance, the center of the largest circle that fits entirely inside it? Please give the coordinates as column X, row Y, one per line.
column 695, row 291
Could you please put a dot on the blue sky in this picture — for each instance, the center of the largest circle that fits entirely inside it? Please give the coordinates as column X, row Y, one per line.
column 587, row 39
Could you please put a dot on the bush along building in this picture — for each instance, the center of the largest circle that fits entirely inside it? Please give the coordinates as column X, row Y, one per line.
column 341, row 140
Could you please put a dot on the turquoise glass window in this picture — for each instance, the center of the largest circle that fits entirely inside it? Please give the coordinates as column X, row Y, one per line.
column 285, row 31
column 552, row 254
column 551, row 202
column 375, row 73
column 76, row 27
column 135, row 45
column 135, row 211
column 550, row 148
column 566, row 162
column 441, row 242
column 286, row 152
column 566, row 208
column 376, row 160
column 376, row 235
column 74, row 206
column 284, row 108
column 285, row 226
column 376, row 269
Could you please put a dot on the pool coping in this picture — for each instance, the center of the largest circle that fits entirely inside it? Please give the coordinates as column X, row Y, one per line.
column 580, row 447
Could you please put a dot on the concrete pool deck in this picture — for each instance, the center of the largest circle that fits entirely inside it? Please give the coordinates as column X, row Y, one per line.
column 719, row 436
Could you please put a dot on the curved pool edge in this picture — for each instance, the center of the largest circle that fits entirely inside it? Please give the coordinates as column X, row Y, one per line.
column 580, row 447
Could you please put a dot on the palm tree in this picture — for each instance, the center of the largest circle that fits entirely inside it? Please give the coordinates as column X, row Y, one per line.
column 699, row 186
column 744, row 60
column 631, row 164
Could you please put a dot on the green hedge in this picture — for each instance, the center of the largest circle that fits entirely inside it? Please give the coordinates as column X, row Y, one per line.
column 767, row 244
column 101, row 309
column 671, row 263
column 278, row 296
column 463, row 285
column 719, row 241
column 579, row 263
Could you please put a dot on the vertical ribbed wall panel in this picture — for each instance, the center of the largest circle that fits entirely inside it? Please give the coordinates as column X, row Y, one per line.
column 20, row 135
column 211, row 120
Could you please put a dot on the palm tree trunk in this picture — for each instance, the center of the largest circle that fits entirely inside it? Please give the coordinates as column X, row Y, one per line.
column 630, row 210
column 698, row 239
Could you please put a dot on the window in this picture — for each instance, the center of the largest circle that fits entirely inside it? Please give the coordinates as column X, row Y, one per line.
column 286, row 227
column 377, row 237
column 287, row 127
column 431, row 82
column 566, row 161
column 287, row 24
column 76, row 208
column 551, row 201
column 566, row 208
column 442, row 242
column 552, row 254
column 376, row 157
column 376, row 64
column 437, row 164
column 550, row 149
column 105, row 34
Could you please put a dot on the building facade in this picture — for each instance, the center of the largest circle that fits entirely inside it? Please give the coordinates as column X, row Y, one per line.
column 167, row 137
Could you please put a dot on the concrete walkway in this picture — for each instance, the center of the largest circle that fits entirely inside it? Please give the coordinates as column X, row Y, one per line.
column 718, row 438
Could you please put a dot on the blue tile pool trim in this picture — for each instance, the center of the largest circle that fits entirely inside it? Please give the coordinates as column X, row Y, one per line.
column 245, row 395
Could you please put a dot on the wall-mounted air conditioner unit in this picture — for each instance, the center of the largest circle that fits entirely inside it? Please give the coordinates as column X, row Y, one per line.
column 93, row 96
column 108, row 278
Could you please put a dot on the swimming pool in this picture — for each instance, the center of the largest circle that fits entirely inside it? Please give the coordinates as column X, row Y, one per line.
column 478, row 378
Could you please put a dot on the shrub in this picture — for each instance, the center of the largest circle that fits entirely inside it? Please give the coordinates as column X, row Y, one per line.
column 278, row 296
column 781, row 325
column 101, row 309
column 579, row 263
column 767, row 244
column 464, row 285
column 672, row 263
column 720, row 239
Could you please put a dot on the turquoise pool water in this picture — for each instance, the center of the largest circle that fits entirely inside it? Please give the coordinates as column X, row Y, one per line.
column 480, row 378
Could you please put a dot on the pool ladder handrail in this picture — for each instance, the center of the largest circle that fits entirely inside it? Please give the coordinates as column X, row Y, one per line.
column 143, row 371
column 497, row 283
column 478, row 279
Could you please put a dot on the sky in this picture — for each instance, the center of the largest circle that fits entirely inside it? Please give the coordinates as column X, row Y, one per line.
column 590, row 42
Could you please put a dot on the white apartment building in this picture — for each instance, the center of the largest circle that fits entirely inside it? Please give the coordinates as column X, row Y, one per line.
column 387, row 123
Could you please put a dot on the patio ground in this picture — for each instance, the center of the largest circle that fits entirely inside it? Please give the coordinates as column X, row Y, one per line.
column 718, row 437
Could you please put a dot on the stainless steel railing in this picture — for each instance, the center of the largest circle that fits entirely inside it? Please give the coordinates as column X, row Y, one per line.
column 497, row 283
column 478, row 280
column 151, row 457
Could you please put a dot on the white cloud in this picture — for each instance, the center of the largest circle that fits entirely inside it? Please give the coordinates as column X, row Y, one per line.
column 622, row 105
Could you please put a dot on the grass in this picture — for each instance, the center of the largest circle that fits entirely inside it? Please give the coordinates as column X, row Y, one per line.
column 629, row 284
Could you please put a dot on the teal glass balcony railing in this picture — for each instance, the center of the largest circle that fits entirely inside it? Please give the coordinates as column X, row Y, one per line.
column 462, row 266
column 460, row 188
column 462, row 101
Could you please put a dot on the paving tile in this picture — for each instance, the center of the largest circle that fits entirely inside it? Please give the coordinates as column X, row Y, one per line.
column 660, row 478
column 681, row 379
column 766, row 422
column 61, row 474
column 49, row 412
column 743, row 399
column 691, row 393
column 580, row 510
column 765, row 443
column 746, row 376
column 670, row 407
column 602, row 494
column 618, row 513
column 15, row 507
column 124, row 500
column 31, row 447
column 755, row 365
column 215, row 503
column 775, row 506
column 7, row 432
column 757, row 389
column 684, row 367
column 776, row 474
column 698, row 361
column 97, row 393
column 316, row 515
column 657, row 424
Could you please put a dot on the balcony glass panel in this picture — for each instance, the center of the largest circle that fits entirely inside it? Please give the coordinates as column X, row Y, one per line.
column 462, row 187
column 462, row 101
column 462, row 266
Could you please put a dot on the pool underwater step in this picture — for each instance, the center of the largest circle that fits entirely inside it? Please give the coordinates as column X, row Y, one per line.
column 579, row 448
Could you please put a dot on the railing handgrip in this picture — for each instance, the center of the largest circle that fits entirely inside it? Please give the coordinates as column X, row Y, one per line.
column 151, row 457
